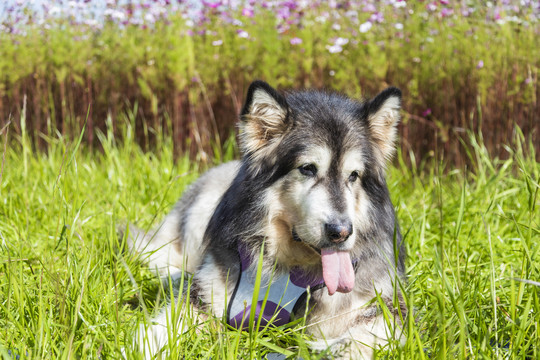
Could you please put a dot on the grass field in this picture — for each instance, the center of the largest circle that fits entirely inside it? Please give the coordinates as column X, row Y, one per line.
column 68, row 291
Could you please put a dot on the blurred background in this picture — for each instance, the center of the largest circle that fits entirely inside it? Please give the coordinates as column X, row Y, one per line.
column 468, row 69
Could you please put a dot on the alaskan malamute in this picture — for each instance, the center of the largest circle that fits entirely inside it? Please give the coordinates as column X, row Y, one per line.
column 310, row 195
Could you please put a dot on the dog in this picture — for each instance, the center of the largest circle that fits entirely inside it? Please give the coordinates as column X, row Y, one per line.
column 309, row 198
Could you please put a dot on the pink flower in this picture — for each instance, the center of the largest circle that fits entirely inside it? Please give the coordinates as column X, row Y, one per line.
column 247, row 12
column 426, row 112
column 369, row 8
column 446, row 12
column 211, row 5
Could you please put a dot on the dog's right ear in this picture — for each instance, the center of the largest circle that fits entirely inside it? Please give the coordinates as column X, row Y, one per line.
column 383, row 117
column 264, row 121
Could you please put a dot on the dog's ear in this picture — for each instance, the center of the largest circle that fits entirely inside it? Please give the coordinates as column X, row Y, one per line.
column 264, row 120
column 383, row 117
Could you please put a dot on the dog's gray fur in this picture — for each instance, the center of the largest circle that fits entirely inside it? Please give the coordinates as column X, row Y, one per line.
column 312, row 161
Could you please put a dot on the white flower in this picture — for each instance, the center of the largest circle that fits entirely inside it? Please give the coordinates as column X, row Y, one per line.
column 149, row 18
column 243, row 34
column 341, row 41
column 365, row 27
column 399, row 26
column 118, row 15
column 217, row 42
column 334, row 49
column 91, row 22
column 55, row 10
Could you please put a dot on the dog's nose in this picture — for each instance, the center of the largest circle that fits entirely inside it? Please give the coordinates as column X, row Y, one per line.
column 338, row 231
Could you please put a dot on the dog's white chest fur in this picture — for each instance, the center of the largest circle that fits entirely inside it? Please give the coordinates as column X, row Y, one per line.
column 277, row 296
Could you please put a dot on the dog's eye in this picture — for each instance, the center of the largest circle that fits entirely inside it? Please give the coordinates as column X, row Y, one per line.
column 354, row 176
column 308, row 170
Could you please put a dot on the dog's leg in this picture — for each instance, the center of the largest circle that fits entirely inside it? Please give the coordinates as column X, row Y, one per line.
column 357, row 343
column 356, row 333
column 160, row 247
column 207, row 292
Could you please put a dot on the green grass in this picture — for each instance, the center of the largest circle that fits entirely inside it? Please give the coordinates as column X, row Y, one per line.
column 67, row 290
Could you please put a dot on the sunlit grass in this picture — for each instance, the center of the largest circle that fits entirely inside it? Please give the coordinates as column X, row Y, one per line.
column 68, row 290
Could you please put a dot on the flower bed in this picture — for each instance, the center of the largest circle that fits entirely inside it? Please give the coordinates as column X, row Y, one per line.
column 182, row 67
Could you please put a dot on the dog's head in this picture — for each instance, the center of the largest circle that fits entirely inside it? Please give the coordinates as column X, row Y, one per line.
column 324, row 157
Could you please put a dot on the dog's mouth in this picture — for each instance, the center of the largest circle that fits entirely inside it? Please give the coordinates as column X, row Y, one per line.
column 298, row 239
column 338, row 271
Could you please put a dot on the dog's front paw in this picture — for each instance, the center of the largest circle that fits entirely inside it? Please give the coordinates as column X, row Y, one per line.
column 342, row 349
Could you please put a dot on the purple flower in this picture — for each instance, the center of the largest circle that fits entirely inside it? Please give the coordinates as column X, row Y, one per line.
column 284, row 13
column 295, row 41
column 291, row 4
column 480, row 64
column 426, row 112
column 377, row 17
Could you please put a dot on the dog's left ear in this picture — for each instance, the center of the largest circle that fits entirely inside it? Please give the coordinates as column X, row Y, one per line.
column 383, row 117
column 264, row 120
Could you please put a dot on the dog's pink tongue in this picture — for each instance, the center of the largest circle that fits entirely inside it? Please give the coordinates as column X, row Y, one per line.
column 338, row 272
